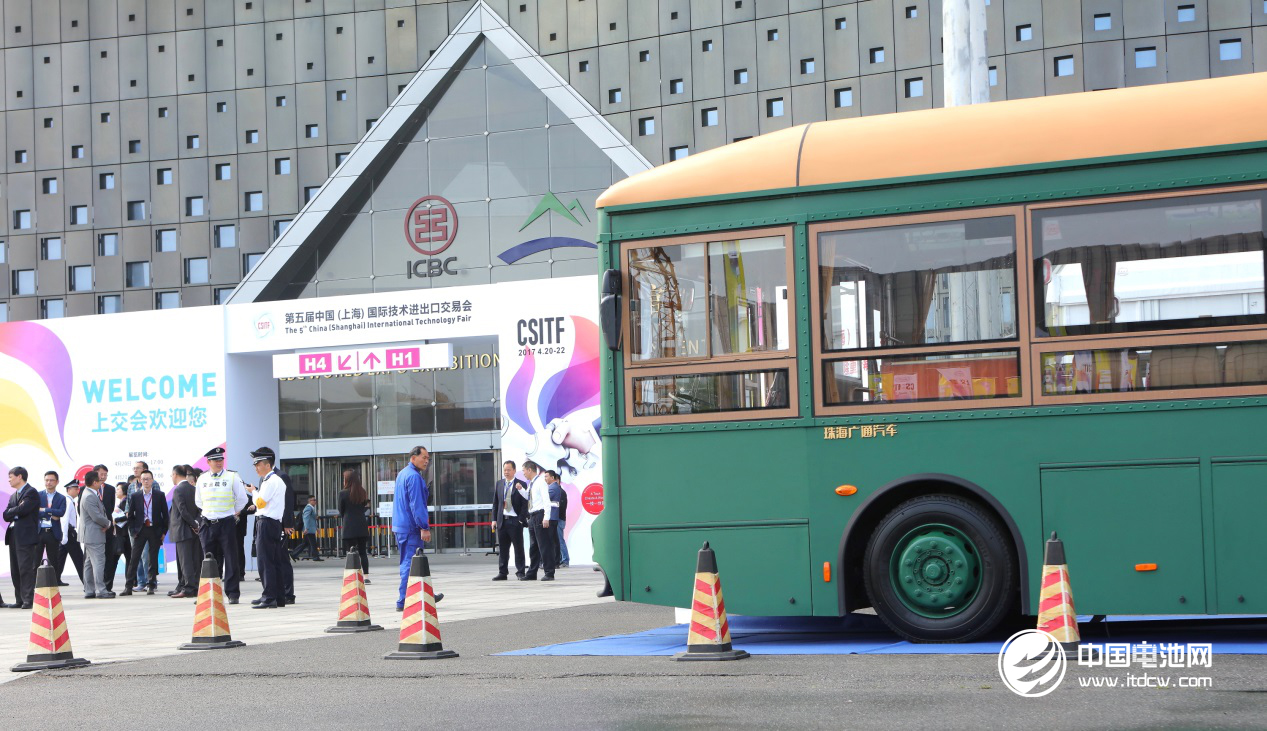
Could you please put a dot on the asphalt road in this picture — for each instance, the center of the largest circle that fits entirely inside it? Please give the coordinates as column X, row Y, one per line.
column 341, row 682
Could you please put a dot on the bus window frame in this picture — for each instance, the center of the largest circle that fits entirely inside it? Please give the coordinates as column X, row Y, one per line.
column 1024, row 324
column 1141, row 339
column 768, row 360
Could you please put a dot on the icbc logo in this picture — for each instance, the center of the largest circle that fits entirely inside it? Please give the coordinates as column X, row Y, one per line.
column 431, row 225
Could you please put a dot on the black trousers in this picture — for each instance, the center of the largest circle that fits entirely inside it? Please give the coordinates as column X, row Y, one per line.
column 270, row 551
column 510, row 533
column 48, row 546
column 118, row 544
column 218, row 538
column 22, row 563
column 310, row 543
column 287, row 571
column 241, row 547
column 147, row 536
column 358, row 544
column 189, row 556
column 71, row 548
column 548, row 540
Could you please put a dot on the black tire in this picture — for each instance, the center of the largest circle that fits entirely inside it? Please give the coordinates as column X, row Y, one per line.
column 997, row 592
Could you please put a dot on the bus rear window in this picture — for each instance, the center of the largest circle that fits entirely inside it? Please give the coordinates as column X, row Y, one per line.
column 710, row 393
column 1154, row 264
column 931, row 377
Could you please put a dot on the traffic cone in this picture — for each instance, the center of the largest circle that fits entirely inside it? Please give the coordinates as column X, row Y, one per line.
column 1056, row 615
column 354, row 611
column 709, row 635
column 50, row 637
column 211, row 623
column 419, row 626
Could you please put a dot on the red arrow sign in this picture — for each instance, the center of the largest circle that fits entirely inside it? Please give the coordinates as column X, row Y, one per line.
column 345, row 363
column 372, row 360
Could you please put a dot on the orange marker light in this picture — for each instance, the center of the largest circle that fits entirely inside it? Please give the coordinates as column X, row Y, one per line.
column 846, row 490
column 1145, row 567
column 827, row 571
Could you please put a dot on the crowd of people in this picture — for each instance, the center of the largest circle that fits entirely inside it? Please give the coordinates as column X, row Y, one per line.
column 94, row 524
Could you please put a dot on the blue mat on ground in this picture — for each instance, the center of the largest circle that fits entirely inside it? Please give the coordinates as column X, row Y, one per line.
column 861, row 634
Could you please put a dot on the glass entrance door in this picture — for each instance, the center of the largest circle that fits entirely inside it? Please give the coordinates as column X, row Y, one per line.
column 464, row 495
column 330, row 539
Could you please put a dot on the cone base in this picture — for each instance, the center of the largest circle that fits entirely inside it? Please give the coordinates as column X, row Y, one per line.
column 212, row 645
column 721, row 655
column 336, row 629
column 70, row 662
column 432, row 655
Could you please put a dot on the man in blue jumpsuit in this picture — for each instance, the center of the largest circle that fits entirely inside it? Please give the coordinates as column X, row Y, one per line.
column 409, row 515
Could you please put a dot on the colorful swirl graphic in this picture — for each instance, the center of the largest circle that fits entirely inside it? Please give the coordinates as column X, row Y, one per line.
column 43, row 352
column 573, row 388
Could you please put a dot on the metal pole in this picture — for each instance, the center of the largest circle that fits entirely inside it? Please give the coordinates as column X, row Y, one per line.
column 980, row 53
column 965, row 57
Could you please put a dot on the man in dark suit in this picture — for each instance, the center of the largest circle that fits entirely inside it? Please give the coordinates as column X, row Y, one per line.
column 288, row 524
column 510, row 508
column 23, row 536
column 182, row 524
column 52, row 513
column 147, row 523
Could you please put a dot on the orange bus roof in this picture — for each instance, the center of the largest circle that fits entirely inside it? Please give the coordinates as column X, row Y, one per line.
column 1143, row 119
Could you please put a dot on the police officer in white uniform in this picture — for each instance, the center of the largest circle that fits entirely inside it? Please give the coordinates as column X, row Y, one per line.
column 270, row 546
column 221, row 495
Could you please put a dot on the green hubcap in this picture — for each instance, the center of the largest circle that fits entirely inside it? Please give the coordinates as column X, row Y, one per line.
column 935, row 570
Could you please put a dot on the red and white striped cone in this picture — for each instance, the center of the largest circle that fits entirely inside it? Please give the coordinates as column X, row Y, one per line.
column 419, row 625
column 1056, row 615
column 709, row 635
column 211, row 622
column 49, row 647
column 354, row 608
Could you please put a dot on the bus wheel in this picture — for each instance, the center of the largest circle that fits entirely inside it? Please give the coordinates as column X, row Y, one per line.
column 939, row 568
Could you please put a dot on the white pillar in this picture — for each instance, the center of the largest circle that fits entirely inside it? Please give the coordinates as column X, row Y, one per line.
column 965, row 59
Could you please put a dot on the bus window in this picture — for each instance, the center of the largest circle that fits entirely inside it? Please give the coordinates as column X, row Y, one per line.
column 1163, row 367
column 919, row 377
column 918, row 284
column 1161, row 263
column 708, row 393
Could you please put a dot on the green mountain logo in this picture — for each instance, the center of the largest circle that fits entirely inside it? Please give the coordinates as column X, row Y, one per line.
column 551, row 202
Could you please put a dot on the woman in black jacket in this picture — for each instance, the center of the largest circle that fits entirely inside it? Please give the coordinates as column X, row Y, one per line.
column 353, row 501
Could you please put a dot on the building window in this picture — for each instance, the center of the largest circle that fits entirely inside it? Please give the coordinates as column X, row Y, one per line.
column 4, row 311
column 252, row 136
column 224, row 171
column 583, row 66
column 19, row 156
column 21, row 219
column 842, row 23
column 280, row 101
column 48, row 123
column 50, row 309
column 249, row 261
column 310, row 192
column 50, row 186
column 226, row 236
column 77, row 152
column 162, row 112
column 193, row 142
column 222, row 107
column 109, row 304
column 706, row 46
column 196, row 271
column 708, row 117
column 134, row 147
column 341, row 95
column 646, row 126
column 279, row 228
column 613, row 96
column 844, row 97
column 1063, row 66
column 136, row 210
column 772, row 34
column 676, row 86
column 105, row 181
column 164, row 176
column 312, row 131
column 1103, row 21
column 1186, row 13
column 81, row 279
column 339, row 157
column 195, row 205
column 222, row 295
column 51, row 248
column 994, row 76
column 877, row 55
column 253, row 201
column 678, row 153
column 912, row 11
column 1025, row 32
column 3, row 253
column 807, row 66
column 23, row 281
column 107, row 244
column 1146, row 57
column 369, row 124
column 1230, row 49
column 105, row 117
column 644, row 56
column 79, row 215
column 165, row 240
column 914, row 87
column 281, row 166
column 741, row 76
column 774, row 107
column 166, row 300
column 137, row 274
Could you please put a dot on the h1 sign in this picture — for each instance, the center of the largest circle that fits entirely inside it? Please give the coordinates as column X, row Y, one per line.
column 368, row 359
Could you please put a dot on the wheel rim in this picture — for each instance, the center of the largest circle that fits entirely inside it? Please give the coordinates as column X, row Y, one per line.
column 935, row 570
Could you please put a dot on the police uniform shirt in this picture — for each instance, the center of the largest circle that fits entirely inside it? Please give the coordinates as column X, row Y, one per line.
column 272, row 491
column 220, row 495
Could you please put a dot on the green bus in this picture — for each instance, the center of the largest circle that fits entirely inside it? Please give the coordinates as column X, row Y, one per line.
column 875, row 362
